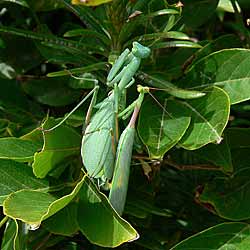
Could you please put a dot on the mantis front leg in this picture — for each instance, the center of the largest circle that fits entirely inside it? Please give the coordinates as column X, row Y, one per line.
column 119, row 186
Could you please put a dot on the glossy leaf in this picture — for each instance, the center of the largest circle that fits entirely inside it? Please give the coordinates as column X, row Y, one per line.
column 20, row 2
column 17, row 60
column 96, row 214
column 32, row 207
column 87, row 15
column 147, row 38
column 64, row 222
column 15, row 176
column 239, row 142
column 2, row 45
column 51, row 91
column 223, row 236
column 209, row 116
column 229, row 196
column 90, row 2
column 44, row 5
column 222, row 42
column 226, row 5
column 49, row 39
column 160, row 129
column 218, row 155
column 18, row 149
column 12, row 239
column 16, row 107
column 227, row 69
column 86, row 33
column 239, row 138
column 59, row 144
column 173, row 44
column 201, row 11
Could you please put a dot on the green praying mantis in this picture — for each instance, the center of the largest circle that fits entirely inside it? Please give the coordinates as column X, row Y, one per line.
column 101, row 135
column 102, row 159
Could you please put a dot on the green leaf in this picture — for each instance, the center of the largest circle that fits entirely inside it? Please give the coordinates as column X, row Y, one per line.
column 64, row 222
column 59, row 144
column 95, row 214
column 162, row 12
column 15, row 176
column 2, row 44
column 19, row 59
column 239, row 142
column 226, row 5
column 20, row 2
column 147, row 38
column 17, row 98
column 197, row 13
column 173, row 44
column 209, row 116
column 90, row 2
column 239, row 138
column 224, row 236
column 227, row 69
column 9, row 235
column 229, row 196
column 131, row 26
column 219, row 155
column 18, row 149
column 44, row 5
column 51, row 91
column 51, row 40
column 87, row 15
column 222, row 42
column 89, row 34
column 32, row 207
column 147, row 208
column 163, row 35
column 160, row 129
column 12, row 240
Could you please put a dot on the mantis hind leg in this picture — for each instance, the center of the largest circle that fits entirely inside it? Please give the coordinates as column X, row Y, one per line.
column 92, row 104
column 94, row 90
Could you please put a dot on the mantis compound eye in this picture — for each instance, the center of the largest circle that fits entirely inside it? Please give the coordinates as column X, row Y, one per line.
column 140, row 51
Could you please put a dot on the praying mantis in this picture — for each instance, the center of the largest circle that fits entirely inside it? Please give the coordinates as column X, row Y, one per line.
column 100, row 156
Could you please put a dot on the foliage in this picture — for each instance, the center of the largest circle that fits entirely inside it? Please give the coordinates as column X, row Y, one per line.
column 188, row 185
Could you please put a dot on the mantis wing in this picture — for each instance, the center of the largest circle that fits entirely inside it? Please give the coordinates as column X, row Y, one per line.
column 97, row 142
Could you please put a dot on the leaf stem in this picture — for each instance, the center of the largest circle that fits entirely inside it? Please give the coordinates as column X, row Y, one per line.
column 3, row 221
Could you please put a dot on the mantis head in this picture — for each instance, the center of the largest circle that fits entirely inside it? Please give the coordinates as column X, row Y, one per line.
column 140, row 51
column 142, row 89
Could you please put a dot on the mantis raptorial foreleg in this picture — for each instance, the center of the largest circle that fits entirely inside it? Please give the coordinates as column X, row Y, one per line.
column 119, row 186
